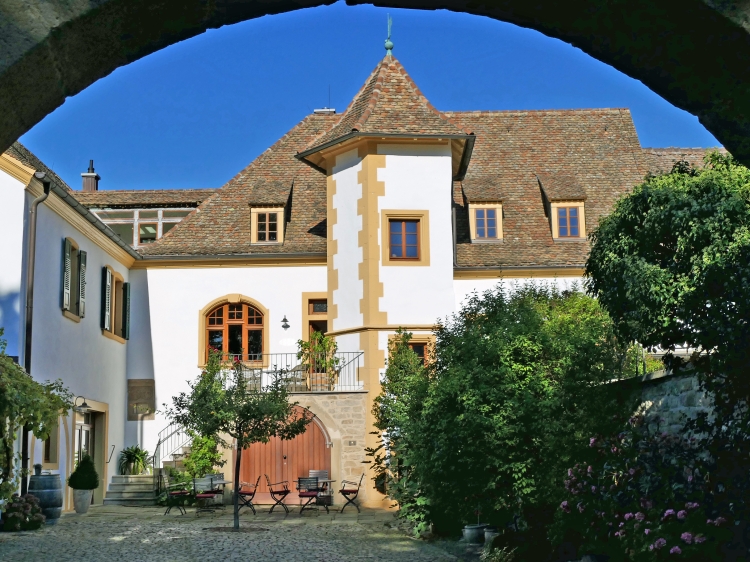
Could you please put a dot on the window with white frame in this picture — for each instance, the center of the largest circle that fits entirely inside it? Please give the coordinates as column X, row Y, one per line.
column 73, row 280
column 139, row 227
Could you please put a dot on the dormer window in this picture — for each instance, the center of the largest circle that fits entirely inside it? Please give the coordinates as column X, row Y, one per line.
column 568, row 220
column 267, row 225
column 486, row 221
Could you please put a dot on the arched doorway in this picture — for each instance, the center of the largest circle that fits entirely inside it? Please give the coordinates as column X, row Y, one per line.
column 287, row 460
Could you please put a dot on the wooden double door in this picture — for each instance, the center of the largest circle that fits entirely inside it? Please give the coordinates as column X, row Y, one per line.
column 286, row 460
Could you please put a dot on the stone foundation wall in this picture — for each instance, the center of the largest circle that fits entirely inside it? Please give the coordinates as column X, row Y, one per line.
column 343, row 415
column 668, row 400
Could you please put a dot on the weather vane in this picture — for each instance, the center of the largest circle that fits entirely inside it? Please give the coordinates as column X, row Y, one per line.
column 388, row 42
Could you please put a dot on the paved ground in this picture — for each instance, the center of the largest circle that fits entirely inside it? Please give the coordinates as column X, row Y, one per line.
column 132, row 534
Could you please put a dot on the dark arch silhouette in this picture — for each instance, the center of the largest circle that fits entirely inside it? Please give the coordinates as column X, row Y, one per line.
column 695, row 54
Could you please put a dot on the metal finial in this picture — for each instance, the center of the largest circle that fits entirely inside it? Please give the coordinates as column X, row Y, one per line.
column 388, row 42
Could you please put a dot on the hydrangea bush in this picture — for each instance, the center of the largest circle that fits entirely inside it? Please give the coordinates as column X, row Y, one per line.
column 23, row 513
column 644, row 496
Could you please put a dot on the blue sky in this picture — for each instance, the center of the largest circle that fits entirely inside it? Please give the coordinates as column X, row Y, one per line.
column 196, row 113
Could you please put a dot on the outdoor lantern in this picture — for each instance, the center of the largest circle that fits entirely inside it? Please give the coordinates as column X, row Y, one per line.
column 285, row 323
column 83, row 407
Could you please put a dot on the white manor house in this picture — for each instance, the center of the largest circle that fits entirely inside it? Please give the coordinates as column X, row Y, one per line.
column 356, row 224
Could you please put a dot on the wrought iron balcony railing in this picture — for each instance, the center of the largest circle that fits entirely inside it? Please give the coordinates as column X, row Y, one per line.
column 337, row 372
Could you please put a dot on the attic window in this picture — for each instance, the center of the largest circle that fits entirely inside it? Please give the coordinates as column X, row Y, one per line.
column 568, row 220
column 267, row 225
column 486, row 222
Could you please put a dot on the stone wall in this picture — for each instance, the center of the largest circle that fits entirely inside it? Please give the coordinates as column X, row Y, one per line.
column 343, row 415
column 668, row 400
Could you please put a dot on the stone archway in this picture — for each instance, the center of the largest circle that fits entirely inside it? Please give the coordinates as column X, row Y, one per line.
column 695, row 54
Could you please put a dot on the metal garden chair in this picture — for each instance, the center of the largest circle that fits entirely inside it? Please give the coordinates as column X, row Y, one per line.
column 350, row 493
column 309, row 490
column 246, row 494
column 279, row 493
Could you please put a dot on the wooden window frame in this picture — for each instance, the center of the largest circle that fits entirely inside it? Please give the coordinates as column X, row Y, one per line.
column 243, row 321
column 428, row 340
column 280, row 222
column 423, row 236
column 473, row 208
column 203, row 326
column 308, row 315
column 581, row 220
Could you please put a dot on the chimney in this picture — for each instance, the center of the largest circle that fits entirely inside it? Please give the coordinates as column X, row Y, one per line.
column 91, row 179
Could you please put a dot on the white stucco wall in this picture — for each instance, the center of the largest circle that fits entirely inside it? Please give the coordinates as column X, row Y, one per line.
column 464, row 287
column 11, row 252
column 165, row 323
column 419, row 178
column 90, row 364
column 345, row 232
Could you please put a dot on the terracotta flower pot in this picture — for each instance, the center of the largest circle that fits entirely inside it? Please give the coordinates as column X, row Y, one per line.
column 82, row 500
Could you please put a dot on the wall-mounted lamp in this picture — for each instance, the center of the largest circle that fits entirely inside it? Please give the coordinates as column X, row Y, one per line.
column 82, row 408
column 285, row 323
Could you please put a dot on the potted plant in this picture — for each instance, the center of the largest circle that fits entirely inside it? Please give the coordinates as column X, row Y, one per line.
column 133, row 460
column 84, row 480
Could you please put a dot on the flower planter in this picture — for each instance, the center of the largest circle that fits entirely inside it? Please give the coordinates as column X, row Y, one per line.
column 490, row 533
column 82, row 500
column 474, row 534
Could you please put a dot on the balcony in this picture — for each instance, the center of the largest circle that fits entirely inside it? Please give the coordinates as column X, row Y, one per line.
column 338, row 372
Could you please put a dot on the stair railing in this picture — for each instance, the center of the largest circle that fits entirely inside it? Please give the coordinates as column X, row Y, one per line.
column 171, row 439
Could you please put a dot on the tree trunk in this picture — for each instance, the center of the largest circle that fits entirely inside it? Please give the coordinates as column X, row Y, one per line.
column 237, row 486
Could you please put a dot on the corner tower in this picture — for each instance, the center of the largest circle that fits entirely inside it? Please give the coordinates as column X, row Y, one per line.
column 390, row 162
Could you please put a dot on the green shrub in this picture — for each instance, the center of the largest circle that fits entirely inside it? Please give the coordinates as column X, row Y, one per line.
column 84, row 477
column 133, row 460
column 204, row 455
column 23, row 514
column 514, row 387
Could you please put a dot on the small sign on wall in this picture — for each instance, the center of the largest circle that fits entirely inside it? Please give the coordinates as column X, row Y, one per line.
column 141, row 399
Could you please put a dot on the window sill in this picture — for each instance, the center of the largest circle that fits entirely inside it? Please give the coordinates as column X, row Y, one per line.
column 110, row 335
column 70, row 316
column 277, row 243
column 487, row 241
column 571, row 239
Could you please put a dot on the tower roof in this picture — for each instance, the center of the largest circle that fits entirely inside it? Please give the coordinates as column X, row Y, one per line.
column 389, row 103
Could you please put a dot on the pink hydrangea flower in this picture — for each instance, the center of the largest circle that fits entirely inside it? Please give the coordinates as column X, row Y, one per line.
column 700, row 539
column 667, row 514
column 660, row 543
column 589, row 470
column 565, row 507
column 675, row 550
column 570, row 473
column 628, row 516
column 709, row 521
column 681, row 514
column 719, row 521
column 692, row 505
column 592, row 441
column 593, row 489
column 640, row 516
column 687, row 537
column 647, row 531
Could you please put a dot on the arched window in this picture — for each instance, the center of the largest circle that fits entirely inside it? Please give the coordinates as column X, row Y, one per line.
column 236, row 329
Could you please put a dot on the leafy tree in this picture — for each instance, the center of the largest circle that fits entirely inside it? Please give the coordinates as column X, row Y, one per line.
column 671, row 265
column 514, row 389
column 24, row 402
column 221, row 402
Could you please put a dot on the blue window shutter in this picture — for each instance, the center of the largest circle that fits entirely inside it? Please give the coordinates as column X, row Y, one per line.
column 126, row 311
column 66, row 273
column 106, row 299
column 81, row 283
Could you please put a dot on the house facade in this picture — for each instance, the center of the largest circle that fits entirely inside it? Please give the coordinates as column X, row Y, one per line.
column 385, row 216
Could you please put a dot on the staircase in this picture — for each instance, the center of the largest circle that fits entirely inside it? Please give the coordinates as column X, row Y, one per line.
column 131, row 490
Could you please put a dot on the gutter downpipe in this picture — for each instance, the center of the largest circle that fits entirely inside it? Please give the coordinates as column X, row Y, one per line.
column 30, row 262
column 453, row 224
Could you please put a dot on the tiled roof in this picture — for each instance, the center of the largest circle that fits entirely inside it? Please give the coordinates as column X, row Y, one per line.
column 596, row 149
column 390, row 103
column 25, row 156
column 221, row 224
column 661, row 160
column 561, row 187
column 143, row 198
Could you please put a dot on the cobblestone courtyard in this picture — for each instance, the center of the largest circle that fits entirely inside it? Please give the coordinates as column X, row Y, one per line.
column 113, row 534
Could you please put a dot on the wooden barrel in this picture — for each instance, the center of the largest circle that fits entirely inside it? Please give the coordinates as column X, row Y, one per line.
column 48, row 488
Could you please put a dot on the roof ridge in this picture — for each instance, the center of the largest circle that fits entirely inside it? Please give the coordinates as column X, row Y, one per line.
column 507, row 111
